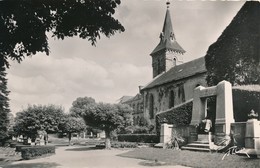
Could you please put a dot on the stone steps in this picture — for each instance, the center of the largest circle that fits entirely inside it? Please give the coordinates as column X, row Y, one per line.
column 201, row 146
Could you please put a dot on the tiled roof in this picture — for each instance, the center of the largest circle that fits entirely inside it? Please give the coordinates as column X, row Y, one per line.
column 136, row 97
column 179, row 72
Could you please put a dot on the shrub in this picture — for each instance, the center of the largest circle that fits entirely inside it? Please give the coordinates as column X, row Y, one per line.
column 245, row 98
column 124, row 145
column 178, row 116
column 146, row 138
column 37, row 151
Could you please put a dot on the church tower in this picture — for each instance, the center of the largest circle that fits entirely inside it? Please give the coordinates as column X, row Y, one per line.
column 168, row 53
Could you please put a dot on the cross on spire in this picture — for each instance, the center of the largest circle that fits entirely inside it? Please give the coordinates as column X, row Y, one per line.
column 168, row 3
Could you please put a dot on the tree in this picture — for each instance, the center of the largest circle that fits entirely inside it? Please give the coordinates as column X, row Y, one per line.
column 72, row 125
column 235, row 56
column 24, row 24
column 38, row 118
column 4, row 106
column 127, row 113
column 107, row 117
column 80, row 104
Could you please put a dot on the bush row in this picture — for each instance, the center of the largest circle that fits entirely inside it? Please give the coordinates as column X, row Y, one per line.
column 178, row 116
column 36, row 151
column 145, row 138
column 130, row 144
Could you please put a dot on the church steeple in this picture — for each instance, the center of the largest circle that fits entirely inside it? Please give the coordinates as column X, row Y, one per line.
column 168, row 52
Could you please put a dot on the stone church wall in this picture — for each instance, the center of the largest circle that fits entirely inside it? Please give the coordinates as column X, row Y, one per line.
column 181, row 91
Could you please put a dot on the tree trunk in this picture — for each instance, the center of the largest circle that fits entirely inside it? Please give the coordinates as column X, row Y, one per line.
column 69, row 139
column 107, row 142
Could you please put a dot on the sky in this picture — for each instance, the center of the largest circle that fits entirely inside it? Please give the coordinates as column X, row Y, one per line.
column 116, row 66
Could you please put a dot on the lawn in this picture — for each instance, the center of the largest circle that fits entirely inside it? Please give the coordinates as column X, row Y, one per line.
column 192, row 159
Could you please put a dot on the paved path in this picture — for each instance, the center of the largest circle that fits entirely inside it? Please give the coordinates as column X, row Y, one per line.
column 83, row 157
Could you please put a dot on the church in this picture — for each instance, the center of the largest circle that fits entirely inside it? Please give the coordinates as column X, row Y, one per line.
column 174, row 80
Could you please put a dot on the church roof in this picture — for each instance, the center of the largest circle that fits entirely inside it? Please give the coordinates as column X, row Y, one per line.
column 168, row 40
column 124, row 99
column 179, row 72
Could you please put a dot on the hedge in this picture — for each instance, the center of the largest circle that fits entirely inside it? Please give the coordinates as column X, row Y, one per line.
column 37, row 151
column 18, row 148
column 178, row 116
column 145, row 138
column 245, row 98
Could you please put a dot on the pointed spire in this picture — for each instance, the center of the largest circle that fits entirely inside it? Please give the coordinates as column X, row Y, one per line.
column 167, row 30
column 167, row 37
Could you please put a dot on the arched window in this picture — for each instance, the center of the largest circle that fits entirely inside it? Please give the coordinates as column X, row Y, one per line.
column 174, row 61
column 151, row 106
column 134, row 121
column 171, row 99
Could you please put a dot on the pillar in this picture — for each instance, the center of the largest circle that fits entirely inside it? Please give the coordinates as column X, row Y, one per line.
column 224, row 111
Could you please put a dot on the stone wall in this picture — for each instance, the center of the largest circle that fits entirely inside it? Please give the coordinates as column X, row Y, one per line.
column 161, row 94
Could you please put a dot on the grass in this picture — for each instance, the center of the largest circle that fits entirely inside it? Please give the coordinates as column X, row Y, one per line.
column 192, row 159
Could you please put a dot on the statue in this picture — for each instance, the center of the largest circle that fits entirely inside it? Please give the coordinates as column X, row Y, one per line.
column 252, row 115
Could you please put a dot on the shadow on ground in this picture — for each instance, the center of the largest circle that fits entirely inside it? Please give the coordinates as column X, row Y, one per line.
column 33, row 165
column 83, row 149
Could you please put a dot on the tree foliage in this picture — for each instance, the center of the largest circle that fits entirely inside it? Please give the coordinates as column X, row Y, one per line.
column 4, row 105
column 80, row 105
column 72, row 125
column 24, row 24
column 38, row 117
column 107, row 117
column 104, row 116
column 235, row 55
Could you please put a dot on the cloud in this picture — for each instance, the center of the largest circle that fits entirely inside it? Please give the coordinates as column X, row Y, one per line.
column 48, row 80
column 119, row 64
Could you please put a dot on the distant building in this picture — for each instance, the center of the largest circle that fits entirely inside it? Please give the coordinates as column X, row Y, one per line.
column 123, row 99
column 138, row 110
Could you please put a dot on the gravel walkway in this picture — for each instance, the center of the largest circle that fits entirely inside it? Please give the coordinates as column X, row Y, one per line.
column 84, row 157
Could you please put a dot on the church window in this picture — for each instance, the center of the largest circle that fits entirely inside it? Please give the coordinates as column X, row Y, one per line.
column 151, row 107
column 181, row 93
column 174, row 61
column 171, row 99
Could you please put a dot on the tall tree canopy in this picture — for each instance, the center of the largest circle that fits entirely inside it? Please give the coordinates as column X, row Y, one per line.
column 24, row 24
column 80, row 105
column 38, row 118
column 4, row 105
column 235, row 55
